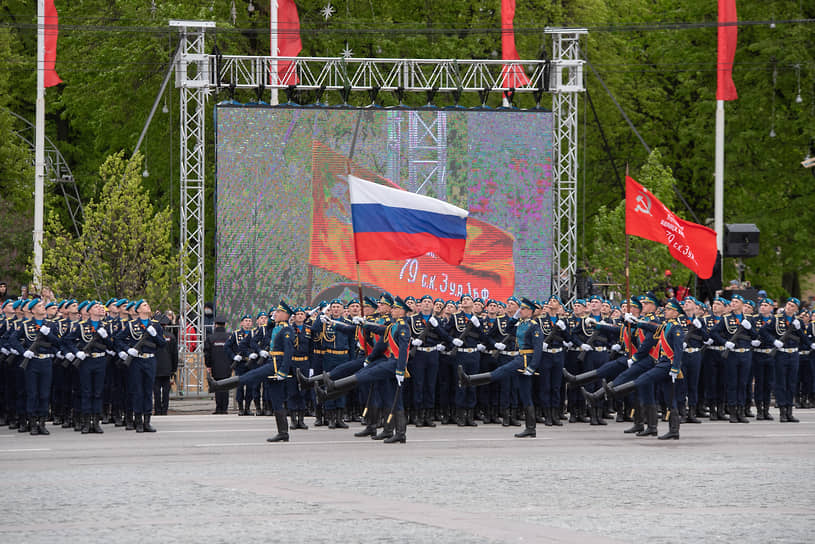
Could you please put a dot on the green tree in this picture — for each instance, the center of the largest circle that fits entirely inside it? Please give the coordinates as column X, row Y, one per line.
column 124, row 249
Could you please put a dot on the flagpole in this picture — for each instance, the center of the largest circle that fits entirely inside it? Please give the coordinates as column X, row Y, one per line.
column 273, row 7
column 39, row 147
column 627, row 272
column 718, row 205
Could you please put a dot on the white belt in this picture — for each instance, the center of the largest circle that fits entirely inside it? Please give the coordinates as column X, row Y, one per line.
column 95, row 355
column 740, row 350
column 510, row 353
column 716, row 348
column 146, row 355
column 788, row 350
column 600, row 348
column 763, row 350
column 466, row 350
column 424, row 349
column 553, row 350
column 805, row 352
column 692, row 350
column 42, row 356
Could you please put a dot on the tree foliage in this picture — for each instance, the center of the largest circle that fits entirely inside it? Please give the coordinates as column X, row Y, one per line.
column 124, row 249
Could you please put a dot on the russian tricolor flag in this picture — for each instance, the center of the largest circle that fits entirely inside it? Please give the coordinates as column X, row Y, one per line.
column 391, row 224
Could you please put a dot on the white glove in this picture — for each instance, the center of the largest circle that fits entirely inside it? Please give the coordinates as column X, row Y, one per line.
column 310, row 372
column 591, row 321
column 709, row 342
column 544, row 346
column 674, row 374
column 45, row 330
column 102, row 332
column 28, row 354
column 585, row 347
column 151, row 330
column 517, row 314
column 630, row 362
column 778, row 343
column 481, row 347
column 264, row 354
column 4, row 351
column 746, row 324
column 755, row 343
column 439, row 347
column 684, row 345
column 70, row 356
column 81, row 355
column 568, row 344
column 697, row 323
column 729, row 345
column 673, row 377
column 500, row 346
column 132, row 352
column 358, row 320
column 528, row 371
column 795, row 323
column 236, row 358
column 326, row 309
column 110, row 352
column 812, row 345
column 561, row 324
column 457, row 342
column 399, row 379
column 616, row 347
column 474, row 320
column 417, row 342
column 433, row 321
column 365, row 363
column 60, row 355
column 253, row 356
column 122, row 355
column 629, row 318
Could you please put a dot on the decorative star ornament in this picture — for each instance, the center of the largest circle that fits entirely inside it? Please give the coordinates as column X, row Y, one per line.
column 327, row 11
column 347, row 53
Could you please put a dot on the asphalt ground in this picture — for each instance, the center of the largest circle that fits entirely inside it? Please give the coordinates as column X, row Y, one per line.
column 206, row 478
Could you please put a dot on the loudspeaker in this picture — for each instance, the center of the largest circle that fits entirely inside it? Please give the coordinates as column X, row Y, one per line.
column 741, row 240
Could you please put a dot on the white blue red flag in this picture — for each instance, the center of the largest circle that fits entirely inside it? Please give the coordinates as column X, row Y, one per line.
column 390, row 224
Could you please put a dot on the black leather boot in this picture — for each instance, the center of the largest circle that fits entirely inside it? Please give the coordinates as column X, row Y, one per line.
column 146, row 424
column 282, row 427
column 539, row 414
column 42, row 428
column 600, row 416
column 428, row 418
column 790, row 417
column 96, row 424
column 387, row 430
column 638, row 425
column 67, row 420
column 77, row 422
column 651, row 419
column 339, row 423
column 222, row 385
column 767, row 415
column 118, row 418
column 400, row 435
column 460, row 419
column 34, row 425
column 713, row 414
column 734, row 415
column 748, row 410
column 86, row 423
column 370, row 429
column 759, row 411
column 57, row 417
column 319, row 416
column 741, row 414
column 529, row 431
column 691, row 416
column 472, row 380
column 722, row 415
column 469, row 420
column 673, row 427
column 701, row 410
column 130, row 424
column 554, row 417
column 139, row 423
column 514, row 417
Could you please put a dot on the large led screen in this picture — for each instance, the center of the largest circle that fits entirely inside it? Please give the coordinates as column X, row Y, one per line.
column 283, row 214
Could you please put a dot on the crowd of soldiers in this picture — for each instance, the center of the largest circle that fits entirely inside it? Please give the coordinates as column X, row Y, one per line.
column 78, row 364
column 389, row 362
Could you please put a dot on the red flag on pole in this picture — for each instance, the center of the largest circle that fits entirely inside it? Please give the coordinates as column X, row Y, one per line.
column 51, row 31
column 728, row 36
column 691, row 244
column 288, row 41
column 511, row 75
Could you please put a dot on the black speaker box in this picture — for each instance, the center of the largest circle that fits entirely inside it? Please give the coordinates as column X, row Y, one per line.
column 741, row 240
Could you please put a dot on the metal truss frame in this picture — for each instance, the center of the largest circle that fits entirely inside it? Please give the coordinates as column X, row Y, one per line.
column 199, row 74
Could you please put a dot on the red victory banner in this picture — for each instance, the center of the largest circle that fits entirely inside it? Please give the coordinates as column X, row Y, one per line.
column 691, row 244
column 487, row 270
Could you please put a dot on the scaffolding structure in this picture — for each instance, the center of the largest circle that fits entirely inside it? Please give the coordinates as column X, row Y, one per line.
column 198, row 75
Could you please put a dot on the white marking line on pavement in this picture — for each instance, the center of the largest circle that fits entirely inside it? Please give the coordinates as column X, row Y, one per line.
column 25, row 450
column 333, row 442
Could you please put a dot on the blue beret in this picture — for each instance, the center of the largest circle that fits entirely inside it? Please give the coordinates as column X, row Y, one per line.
column 634, row 302
column 261, row 313
column 17, row 303
column 50, row 304
column 299, row 309
column 407, row 298
column 439, row 300
column 109, row 302
column 465, row 295
column 120, row 302
column 514, row 299
column 595, row 297
column 6, row 302
column 83, row 305
column 554, row 297
column 673, row 304
column 246, row 316
column 138, row 303
column 453, row 302
column 33, row 302
column 501, row 304
column 722, row 300
column 737, row 297
column 353, row 301
column 769, row 301
column 426, row 297
column 794, row 301
column 581, row 301
column 478, row 299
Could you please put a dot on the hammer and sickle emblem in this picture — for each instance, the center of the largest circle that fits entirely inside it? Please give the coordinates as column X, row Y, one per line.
column 643, row 204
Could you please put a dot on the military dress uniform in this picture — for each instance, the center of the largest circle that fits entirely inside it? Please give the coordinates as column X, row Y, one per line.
column 335, row 346
column 713, row 372
column 141, row 338
column 296, row 398
column 555, row 335
column 695, row 337
column 595, row 347
column 240, row 363
column 428, row 335
column 465, row 328
column 86, row 346
column 736, row 333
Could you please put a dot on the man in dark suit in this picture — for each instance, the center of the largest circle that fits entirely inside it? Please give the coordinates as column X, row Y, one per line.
column 218, row 363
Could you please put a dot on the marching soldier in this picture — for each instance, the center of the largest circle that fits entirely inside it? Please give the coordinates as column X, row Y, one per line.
column 336, row 344
column 764, row 362
column 236, row 350
column 692, row 356
column 428, row 339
